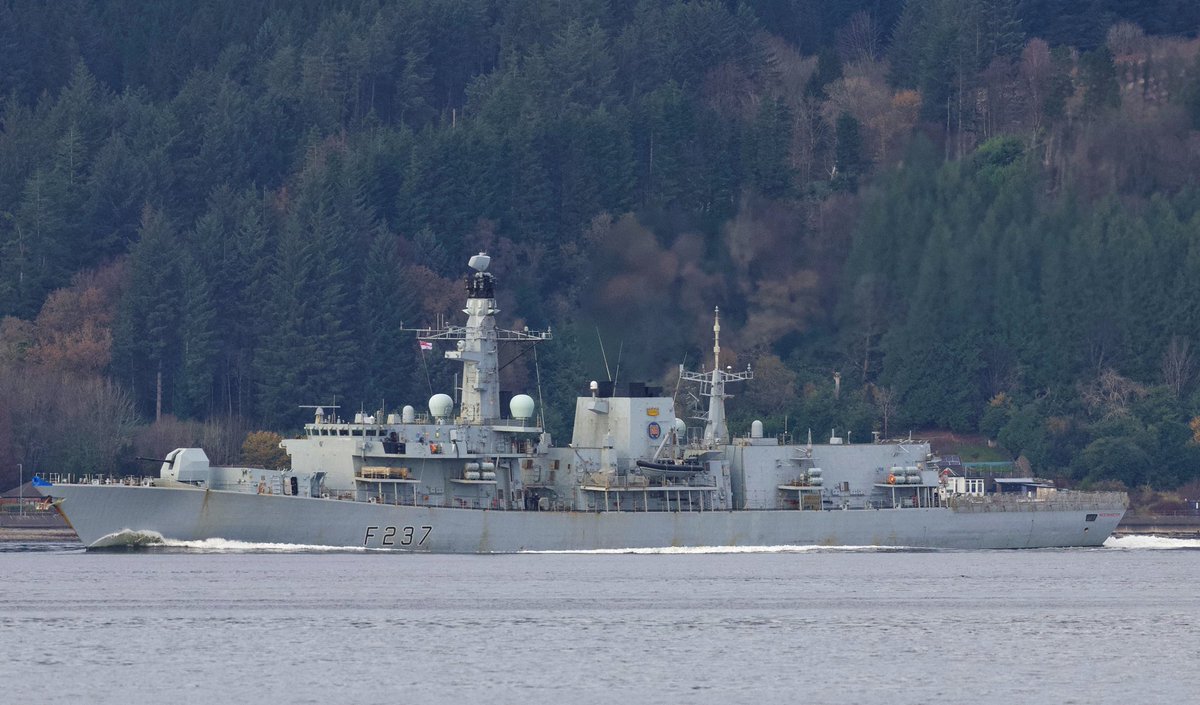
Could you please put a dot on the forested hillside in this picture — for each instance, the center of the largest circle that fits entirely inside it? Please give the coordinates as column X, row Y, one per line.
column 981, row 215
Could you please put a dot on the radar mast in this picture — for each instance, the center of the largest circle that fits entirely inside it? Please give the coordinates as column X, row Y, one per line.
column 712, row 385
column 477, row 345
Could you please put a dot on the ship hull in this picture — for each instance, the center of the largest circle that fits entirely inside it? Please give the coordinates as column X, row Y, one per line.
column 100, row 512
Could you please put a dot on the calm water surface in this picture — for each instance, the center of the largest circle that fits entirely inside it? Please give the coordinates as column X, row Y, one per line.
column 225, row 623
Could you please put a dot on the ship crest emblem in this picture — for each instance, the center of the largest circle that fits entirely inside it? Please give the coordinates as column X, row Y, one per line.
column 654, row 430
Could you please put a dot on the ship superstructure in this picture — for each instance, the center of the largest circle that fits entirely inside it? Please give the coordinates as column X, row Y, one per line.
column 482, row 475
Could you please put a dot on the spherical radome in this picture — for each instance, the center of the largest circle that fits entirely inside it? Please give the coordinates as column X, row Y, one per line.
column 521, row 406
column 440, row 406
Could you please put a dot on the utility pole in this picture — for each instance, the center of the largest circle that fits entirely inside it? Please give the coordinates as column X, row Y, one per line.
column 21, row 488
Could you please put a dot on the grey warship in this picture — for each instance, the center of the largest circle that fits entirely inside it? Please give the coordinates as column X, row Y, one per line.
column 474, row 477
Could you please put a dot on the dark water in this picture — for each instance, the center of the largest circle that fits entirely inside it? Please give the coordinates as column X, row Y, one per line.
column 236, row 624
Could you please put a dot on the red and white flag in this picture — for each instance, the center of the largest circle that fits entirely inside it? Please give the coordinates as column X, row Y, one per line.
column 426, row 345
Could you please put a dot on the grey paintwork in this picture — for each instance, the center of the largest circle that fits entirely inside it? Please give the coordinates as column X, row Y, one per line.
column 634, row 476
column 98, row 512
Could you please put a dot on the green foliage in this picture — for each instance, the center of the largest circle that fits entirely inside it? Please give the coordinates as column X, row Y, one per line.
column 829, row 69
column 770, row 174
column 1191, row 96
column 941, row 45
column 1098, row 76
column 146, row 343
column 848, row 155
column 289, row 182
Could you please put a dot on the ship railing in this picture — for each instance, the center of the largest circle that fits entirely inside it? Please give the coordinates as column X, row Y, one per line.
column 67, row 478
column 1060, row 500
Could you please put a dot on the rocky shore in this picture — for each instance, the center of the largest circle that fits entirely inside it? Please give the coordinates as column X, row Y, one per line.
column 26, row 535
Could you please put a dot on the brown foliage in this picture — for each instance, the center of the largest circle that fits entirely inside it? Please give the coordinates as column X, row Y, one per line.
column 1137, row 153
column 218, row 438
column 886, row 116
column 16, row 338
column 73, row 331
column 730, row 91
column 261, row 449
column 437, row 295
column 790, row 71
column 55, row 422
column 655, row 290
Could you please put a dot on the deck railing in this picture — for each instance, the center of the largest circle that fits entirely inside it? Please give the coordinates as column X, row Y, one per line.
column 1063, row 499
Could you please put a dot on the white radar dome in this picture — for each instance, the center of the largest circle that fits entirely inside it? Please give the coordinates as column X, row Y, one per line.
column 408, row 414
column 521, row 406
column 480, row 262
column 680, row 428
column 440, row 406
column 756, row 429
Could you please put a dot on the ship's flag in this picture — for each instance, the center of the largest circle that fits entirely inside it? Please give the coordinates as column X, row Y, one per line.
column 426, row 345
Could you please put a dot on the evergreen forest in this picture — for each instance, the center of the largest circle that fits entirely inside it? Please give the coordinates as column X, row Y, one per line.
column 967, row 217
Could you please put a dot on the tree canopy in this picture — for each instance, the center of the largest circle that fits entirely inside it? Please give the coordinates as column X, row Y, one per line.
column 981, row 214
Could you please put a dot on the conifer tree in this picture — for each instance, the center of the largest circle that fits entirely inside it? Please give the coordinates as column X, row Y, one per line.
column 387, row 303
column 198, row 341
column 146, row 339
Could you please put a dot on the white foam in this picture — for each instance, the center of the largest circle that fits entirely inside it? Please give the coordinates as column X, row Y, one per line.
column 699, row 550
column 227, row 546
column 128, row 537
column 139, row 539
column 1149, row 542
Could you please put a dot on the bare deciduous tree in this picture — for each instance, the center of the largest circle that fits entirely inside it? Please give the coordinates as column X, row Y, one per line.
column 859, row 38
column 1036, row 68
column 886, row 404
column 1110, row 394
column 1125, row 39
column 1177, row 365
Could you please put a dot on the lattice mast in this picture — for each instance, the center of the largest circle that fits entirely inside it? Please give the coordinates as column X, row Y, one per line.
column 712, row 384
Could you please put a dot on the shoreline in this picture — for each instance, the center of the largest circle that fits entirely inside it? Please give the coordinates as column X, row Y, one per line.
column 31, row 535
column 1167, row 526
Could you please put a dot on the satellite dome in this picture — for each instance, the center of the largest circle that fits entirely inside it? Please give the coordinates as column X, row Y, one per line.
column 521, row 406
column 440, row 406
column 680, row 428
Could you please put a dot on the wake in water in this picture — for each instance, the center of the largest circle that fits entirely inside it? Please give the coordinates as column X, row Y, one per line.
column 1150, row 542
column 152, row 540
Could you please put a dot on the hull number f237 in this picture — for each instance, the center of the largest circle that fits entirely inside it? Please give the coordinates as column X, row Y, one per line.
column 397, row 535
